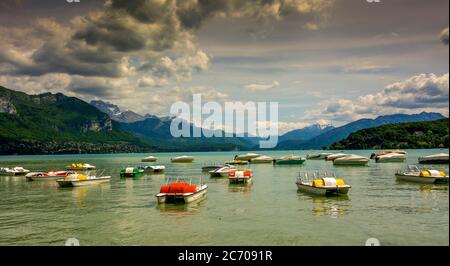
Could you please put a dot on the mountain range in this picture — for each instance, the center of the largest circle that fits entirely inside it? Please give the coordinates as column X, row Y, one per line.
column 54, row 123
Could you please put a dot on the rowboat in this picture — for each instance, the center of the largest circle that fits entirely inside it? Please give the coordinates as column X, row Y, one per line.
column 237, row 162
column 428, row 176
column 322, row 184
column 290, row 160
column 240, row 176
column 181, row 192
column 50, row 175
column 246, row 157
column 221, row 172
column 335, row 156
column 441, row 158
column 319, row 156
column 149, row 159
column 351, row 160
column 131, row 172
column 77, row 180
column 80, row 167
column 262, row 159
column 182, row 159
column 152, row 168
column 13, row 171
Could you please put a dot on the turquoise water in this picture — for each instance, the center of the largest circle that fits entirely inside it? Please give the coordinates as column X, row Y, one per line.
column 269, row 212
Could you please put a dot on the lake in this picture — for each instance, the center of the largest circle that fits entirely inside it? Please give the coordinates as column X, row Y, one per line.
column 269, row 212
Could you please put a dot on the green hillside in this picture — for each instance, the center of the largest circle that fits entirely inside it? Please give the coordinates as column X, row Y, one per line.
column 417, row 135
column 54, row 123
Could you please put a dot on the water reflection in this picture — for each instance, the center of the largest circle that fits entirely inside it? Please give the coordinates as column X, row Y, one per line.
column 243, row 188
column 181, row 209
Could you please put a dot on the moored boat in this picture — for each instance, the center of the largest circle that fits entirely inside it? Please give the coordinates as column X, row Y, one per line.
column 149, row 159
column 351, row 160
column 152, row 168
column 237, row 162
column 131, row 172
column 240, row 176
column 428, row 176
column 49, row 175
column 323, row 185
column 290, row 160
column 181, row 192
column 262, row 159
column 319, row 156
column 246, row 157
column 77, row 180
column 214, row 166
column 390, row 158
column 221, row 172
column 335, row 156
column 80, row 167
column 441, row 158
column 182, row 159
column 13, row 171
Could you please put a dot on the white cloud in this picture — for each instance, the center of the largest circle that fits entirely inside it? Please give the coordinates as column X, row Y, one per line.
column 258, row 87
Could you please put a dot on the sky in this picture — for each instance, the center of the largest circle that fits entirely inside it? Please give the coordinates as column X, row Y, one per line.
column 323, row 61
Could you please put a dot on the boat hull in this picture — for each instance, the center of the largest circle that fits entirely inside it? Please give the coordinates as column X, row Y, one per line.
column 350, row 163
column 131, row 174
column 433, row 161
column 323, row 191
column 181, row 160
column 80, row 183
column 290, row 162
column 390, row 160
column 240, row 180
column 148, row 160
column 421, row 179
column 181, row 197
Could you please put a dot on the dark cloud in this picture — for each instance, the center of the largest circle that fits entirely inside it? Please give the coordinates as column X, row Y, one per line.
column 444, row 36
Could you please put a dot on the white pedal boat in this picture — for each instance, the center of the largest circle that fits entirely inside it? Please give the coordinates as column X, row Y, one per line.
column 13, row 171
column 240, row 176
column 77, row 180
column 324, row 186
column 427, row 176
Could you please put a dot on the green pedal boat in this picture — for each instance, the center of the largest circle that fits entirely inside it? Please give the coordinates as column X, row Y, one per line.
column 131, row 172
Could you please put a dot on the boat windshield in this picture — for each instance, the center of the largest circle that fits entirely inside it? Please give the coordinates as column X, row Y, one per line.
column 413, row 168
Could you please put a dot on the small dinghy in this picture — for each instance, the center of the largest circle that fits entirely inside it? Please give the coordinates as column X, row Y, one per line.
column 14, row 171
column 77, row 180
column 290, row 160
column 428, row 176
column 149, row 159
column 222, row 171
column 131, row 172
column 322, row 184
column 262, row 159
column 80, row 167
column 319, row 156
column 184, row 192
column 441, row 158
column 351, row 160
column 240, row 176
column 50, row 175
column 246, row 157
column 152, row 168
column 182, row 159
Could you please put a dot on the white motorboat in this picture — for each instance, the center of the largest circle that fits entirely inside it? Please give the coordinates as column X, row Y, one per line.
column 149, row 159
column 385, row 152
column 50, row 175
column 441, row 158
column 221, row 172
column 390, row 158
column 13, row 171
column 77, row 180
column 292, row 159
column 182, row 159
column 152, row 168
column 181, row 191
column 80, row 167
column 351, row 160
column 240, row 176
column 428, row 176
column 237, row 162
column 319, row 156
column 335, row 156
column 322, row 184
column 246, row 157
column 262, row 159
